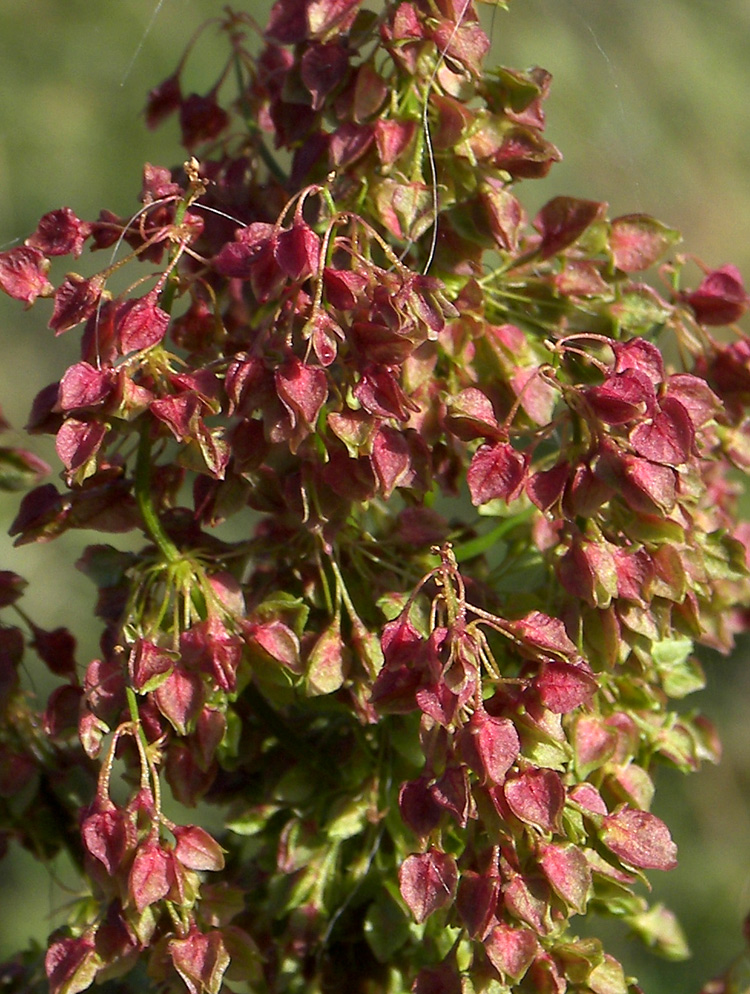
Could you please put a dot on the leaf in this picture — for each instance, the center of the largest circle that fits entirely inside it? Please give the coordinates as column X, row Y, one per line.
column 419, row 809
column 438, row 702
column 76, row 300
column 297, row 250
column 545, row 488
column 681, row 673
column 390, row 459
column 477, row 902
column 536, row 797
column 567, row 869
column 588, row 571
column 201, row 960
column 71, row 965
column 623, row 397
column 84, row 386
column 640, row 356
column 720, row 298
column 696, row 397
column 105, row 835
column 660, row 930
column 179, row 698
column 60, row 232
column 246, row 965
column 608, row 978
column 23, row 274
column 542, row 635
column 302, row 390
column 343, row 287
column 150, row 666
column 427, row 882
column 325, row 15
column 196, row 849
column 496, row 471
column 578, row 957
column 637, row 241
column 528, row 898
column 386, row 927
column 639, row 839
column 163, row 100
column 594, row 744
column 504, row 215
column 322, row 68
column 57, row 649
column 471, row 415
column 77, row 443
column 563, row 686
column 451, row 792
column 645, row 486
column 328, row 662
column 392, row 137
column 253, row 820
column 511, row 950
column 440, row 979
column 151, row 875
column 347, row 818
column 141, row 324
column 465, row 42
column 278, row 641
column 668, row 438
column 299, row 847
column 12, row 587
column 348, row 143
column 489, row 745
column 563, row 220
column 20, row 469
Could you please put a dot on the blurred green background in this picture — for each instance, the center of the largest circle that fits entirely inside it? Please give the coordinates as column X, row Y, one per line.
column 649, row 107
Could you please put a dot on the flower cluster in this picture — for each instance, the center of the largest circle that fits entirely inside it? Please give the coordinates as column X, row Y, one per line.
column 473, row 526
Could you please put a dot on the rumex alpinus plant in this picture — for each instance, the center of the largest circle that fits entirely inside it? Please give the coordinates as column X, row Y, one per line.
column 479, row 524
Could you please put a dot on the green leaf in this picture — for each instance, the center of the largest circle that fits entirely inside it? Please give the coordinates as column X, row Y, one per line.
column 491, row 539
column 723, row 556
column 386, row 927
column 542, row 750
column 328, row 663
column 580, row 957
column 229, row 746
column 738, row 977
column 104, row 565
column 659, row 929
column 20, row 470
column 348, row 819
column 404, row 737
column 640, row 311
column 649, row 529
column 253, row 820
column 527, row 573
column 291, row 610
column 608, row 978
column 511, row 87
column 295, row 786
column 681, row 674
column 245, row 966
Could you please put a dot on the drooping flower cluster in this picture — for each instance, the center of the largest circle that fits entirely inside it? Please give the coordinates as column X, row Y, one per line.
column 430, row 730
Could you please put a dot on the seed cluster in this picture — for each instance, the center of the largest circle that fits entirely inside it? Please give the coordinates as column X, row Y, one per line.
column 473, row 525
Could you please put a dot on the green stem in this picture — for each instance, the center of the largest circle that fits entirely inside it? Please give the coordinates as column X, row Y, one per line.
column 149, row 777
column 476, row 546
column 153, row 525
column 169, row 291
column 273, row 167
